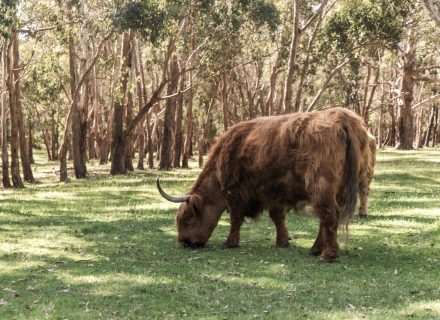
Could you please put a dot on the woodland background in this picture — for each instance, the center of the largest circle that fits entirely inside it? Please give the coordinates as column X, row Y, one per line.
column 151, row 83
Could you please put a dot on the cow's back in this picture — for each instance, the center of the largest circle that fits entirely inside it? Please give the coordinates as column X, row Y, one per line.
column 277, row 160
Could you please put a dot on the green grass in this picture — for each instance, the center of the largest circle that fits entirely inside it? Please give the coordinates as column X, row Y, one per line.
column 105, row 248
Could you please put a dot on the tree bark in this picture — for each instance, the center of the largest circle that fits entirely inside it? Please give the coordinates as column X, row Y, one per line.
column 435, row 127
column 150, row 146
column 305, row 68
column 4, row 122
column 169, row 119
column 15, row 162
column 189, row 126
column 368, row 103
column 405, row 118
column 140, row 96
column 25, row 163
column 30, row 143
column 224, row 101
column 393, row 127
column 178, row 138
column 128, row 139
column 204, row 126
column 54, row 136
column 288, row 90
column 118, row 137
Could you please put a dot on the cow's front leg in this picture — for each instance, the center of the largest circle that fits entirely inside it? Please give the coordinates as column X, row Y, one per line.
column 278, row 217
column 319, row 244
column 233, row 239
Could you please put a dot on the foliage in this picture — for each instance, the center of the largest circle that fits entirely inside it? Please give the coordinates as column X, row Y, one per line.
column 7, row 9
column 145, row 16
column 367, row 24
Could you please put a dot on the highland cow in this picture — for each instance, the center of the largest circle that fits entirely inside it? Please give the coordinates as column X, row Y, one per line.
column 273, row 163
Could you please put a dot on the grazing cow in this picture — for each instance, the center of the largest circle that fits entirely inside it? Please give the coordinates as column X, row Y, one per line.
column 367, row 172
column 273, row 163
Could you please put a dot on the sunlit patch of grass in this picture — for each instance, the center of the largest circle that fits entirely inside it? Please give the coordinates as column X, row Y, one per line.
column 425, row 309
column 106, row 248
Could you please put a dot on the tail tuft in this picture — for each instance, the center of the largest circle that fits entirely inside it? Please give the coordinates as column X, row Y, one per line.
column 352, row 185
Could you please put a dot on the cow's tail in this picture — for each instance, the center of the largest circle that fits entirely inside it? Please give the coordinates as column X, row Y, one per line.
column 352, row 183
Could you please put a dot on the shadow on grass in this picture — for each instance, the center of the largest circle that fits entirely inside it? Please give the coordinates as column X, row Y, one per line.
column 138, row 262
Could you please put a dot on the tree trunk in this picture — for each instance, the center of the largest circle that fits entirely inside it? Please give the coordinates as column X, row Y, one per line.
column 435, row 127
column 106, row 142
column 47, row 143
column 393, row 128
column 118, row 138
column 62, row 153
column 405, row 118
column 146, row 125
column 169, row 117
column 305, row 68
column 4, row 122
column 189, row 126
column 178, row 138
column 30, row 143
column 140, row 96
column 15, row 139
column 367, row 106
column 224, row 101
column 25, row 163
column 141, row 146
column 54, row 136
column 128, row 139
column 287, row 98
column 204, row 127
column 150, row 147
column 79, row 117
column 381, row 112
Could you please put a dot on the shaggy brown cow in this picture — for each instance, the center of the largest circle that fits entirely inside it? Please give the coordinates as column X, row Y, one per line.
column 273, row 163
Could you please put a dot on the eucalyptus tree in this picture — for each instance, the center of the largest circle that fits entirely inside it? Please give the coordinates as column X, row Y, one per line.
column 10, row 26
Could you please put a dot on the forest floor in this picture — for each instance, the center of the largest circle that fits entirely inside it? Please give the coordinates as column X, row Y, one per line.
column 105, row 248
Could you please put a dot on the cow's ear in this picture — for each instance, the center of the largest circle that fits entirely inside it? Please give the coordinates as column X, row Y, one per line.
column 195, row 203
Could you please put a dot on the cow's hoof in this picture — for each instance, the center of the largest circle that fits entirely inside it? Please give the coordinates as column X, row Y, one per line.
column 328, row 260
column 230, row 244
column 329, row 256
column 283, row 244
column 315, row 251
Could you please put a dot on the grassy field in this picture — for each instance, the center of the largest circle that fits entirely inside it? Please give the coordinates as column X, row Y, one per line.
column 105, row 248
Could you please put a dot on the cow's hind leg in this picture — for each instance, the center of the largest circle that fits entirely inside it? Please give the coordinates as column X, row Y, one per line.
column 327, row 209
column 233, row 239
column 278, row 216
column 363, row 195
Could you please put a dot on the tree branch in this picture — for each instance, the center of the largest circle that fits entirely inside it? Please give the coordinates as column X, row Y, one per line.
column 426, row 79
column 315, row 15
column 324, row 86
column 425, row 101
column 421, row 69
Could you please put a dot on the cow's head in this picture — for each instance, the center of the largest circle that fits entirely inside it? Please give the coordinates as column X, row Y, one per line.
column 195, row 220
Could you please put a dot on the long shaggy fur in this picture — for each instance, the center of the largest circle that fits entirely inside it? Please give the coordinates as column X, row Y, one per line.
column 275, row 162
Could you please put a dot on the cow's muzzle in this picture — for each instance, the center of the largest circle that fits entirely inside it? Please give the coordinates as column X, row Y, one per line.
column 189, row 244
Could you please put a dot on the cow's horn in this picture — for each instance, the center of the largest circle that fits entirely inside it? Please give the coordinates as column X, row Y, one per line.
column 171, row 198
